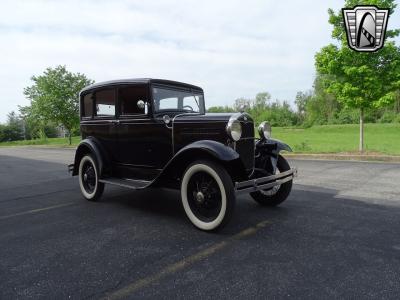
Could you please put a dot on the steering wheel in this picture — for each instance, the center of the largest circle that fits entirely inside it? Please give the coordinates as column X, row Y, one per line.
column 188, row 106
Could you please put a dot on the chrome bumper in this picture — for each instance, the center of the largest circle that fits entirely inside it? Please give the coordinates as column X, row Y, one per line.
column 264, row 183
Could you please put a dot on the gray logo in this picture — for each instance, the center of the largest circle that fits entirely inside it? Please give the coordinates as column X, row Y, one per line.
column 365, row 27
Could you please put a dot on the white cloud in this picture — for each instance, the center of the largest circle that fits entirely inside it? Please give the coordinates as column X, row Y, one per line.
column 230, row 48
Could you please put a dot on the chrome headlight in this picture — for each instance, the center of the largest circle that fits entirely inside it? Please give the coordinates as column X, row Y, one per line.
column 264, row 130
column 234, row 129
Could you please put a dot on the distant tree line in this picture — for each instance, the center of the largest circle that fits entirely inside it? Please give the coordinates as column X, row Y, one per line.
column 19, row 128
column 54, row 106
column 313, row 107
column 317, row 107
column 261, row 108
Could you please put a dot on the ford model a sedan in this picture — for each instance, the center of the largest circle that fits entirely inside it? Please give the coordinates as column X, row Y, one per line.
column 144, row 133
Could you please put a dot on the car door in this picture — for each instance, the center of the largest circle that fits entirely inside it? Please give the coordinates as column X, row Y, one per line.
column 99, row 119
column 144, row 144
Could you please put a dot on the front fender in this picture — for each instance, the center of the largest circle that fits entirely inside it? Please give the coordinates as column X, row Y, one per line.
column 272, row 146
column 268, row 151
column 216, row 149
column 206, row 149
column 280, row 146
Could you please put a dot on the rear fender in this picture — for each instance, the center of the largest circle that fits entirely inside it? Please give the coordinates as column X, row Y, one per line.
column 93, row 146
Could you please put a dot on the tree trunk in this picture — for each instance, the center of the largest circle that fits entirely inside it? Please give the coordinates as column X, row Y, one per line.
column 70, row 137
column 361, row 145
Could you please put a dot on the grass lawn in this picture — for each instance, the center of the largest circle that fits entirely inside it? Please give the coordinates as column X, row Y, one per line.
column 381, row 138
column 48, row 142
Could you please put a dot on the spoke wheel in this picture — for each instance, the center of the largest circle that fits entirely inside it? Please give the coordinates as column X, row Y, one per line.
column 89, row 177
column 204, row 196
column 207, row 194
column 277, row 194
column 91, row 188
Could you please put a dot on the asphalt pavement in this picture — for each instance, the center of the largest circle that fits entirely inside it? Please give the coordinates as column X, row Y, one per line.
column 337, row 236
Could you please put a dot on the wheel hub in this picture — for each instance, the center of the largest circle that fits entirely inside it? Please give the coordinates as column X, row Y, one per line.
column 200, row 197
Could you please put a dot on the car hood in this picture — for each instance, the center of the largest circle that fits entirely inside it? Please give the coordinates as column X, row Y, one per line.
column 213, row 117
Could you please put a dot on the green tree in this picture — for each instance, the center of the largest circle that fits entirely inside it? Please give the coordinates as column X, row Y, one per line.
column 34, row 121
column 13, row 130
column 262, row 100
column 242, row 104
column 54, row 97
column 322, row 107
column 361, row 80
column 302, row 98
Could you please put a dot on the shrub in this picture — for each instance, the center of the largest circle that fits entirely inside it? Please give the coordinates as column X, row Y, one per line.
column 389, row 117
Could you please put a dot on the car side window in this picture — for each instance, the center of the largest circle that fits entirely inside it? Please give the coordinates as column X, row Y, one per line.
column 87, row 106
column 105, row 102
column 129, row 97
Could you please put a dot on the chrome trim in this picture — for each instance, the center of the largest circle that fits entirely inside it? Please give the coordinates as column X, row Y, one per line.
column 262, row 128
column 262, row 183
column 248, row 138
column 228, row 128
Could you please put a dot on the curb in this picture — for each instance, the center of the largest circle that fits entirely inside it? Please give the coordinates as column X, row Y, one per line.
column 40, row 146
column 349, row 157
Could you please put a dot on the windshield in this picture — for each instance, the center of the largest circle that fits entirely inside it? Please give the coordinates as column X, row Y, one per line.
column 166, row 99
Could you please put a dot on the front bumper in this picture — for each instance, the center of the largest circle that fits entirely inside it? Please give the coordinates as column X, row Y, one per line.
column 264, row 183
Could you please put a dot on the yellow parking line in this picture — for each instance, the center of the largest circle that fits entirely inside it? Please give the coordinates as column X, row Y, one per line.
column 35, row 211
column 184, row 263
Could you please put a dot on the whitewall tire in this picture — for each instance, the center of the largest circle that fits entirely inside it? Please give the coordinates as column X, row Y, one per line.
column 89, row 183
column 207, row 195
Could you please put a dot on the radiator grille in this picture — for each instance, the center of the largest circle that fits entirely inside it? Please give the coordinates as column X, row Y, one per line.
column 245, row 146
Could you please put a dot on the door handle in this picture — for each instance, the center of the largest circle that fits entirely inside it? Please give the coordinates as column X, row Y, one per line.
column 116, row 122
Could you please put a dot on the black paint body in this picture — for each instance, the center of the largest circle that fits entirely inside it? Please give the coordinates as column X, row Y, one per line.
column 145, row 147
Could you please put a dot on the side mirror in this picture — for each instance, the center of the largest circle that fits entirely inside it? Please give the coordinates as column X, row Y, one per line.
column 142, row 106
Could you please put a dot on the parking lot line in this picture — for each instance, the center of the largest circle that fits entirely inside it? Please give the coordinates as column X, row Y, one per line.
column 33, row 211
column 184, row 263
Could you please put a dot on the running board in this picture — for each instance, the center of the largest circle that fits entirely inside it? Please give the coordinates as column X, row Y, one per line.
column 127, row 183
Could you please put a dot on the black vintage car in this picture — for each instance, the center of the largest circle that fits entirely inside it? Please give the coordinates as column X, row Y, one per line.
column 142, row 133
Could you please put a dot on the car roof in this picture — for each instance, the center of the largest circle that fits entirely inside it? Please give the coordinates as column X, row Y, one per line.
column 140, row 80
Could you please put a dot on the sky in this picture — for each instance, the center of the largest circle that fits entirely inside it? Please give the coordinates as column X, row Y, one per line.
column 230, row 48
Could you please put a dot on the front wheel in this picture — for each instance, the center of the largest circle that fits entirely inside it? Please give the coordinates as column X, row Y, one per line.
column 277, row 194
column 208, row 196
column 89, row 183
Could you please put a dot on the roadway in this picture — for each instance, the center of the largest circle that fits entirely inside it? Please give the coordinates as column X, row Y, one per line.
column 337, row 236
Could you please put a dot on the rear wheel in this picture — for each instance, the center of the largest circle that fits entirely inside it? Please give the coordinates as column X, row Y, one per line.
column 89, row 183
column 277, row 194
column 207, row 194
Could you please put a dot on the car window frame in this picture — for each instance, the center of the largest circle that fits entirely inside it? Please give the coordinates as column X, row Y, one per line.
column 174, row 88
column 106, row 117
column 82, row 106
column 122, row 116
